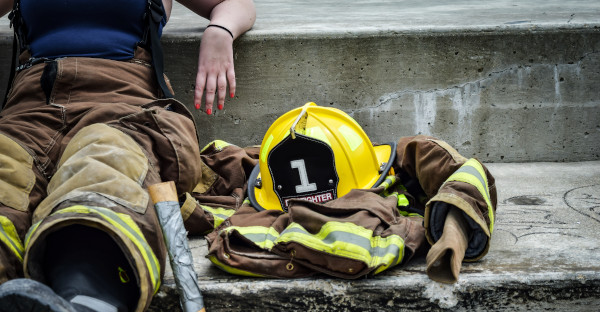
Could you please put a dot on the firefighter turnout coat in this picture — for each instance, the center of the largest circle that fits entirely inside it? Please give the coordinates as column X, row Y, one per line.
column 364, row 232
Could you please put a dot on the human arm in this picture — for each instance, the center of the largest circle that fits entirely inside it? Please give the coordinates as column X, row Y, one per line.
column 215, row 60
column 5, row 6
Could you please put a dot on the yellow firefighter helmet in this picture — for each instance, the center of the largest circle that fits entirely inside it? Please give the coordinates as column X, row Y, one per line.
column 318, row 154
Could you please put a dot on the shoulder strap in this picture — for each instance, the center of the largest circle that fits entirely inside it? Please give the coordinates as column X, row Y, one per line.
column 154, row 15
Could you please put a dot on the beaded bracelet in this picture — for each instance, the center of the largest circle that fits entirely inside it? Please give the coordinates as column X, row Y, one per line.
column 219, row 26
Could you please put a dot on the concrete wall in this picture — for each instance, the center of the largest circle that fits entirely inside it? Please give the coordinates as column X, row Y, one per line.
column 511, row 91
column 502, row 97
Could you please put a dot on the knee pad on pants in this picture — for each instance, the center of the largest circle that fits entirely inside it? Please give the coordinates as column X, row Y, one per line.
column 16, row 175
column 99, row 160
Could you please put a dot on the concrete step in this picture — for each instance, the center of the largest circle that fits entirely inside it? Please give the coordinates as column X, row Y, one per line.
column 503, row 81
column 545, row 255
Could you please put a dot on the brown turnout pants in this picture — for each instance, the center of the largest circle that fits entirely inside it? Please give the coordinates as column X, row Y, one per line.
column 80, row 140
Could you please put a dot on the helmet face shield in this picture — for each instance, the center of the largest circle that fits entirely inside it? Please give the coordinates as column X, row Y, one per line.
column 317, row 154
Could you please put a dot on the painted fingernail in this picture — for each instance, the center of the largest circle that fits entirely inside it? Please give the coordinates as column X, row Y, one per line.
column 220, row 107
column 197, row 106
column 209, row 111
column 231, row 95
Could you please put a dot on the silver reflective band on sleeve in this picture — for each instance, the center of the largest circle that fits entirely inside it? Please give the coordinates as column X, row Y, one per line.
column 472, row 172
column 219, row 214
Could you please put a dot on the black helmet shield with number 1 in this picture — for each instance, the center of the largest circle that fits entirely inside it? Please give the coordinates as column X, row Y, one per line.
column 293, row 161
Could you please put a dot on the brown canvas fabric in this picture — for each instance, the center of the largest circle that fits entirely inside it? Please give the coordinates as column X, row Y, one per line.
column 223, row 184
column 422, row 166
column 446, row 255
column 86, row 91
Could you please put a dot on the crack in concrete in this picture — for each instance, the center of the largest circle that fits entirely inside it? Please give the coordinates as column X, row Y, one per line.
column 490, row 76
column 466, row 96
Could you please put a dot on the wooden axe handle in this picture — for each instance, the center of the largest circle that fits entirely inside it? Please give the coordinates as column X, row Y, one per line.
column 164, row 191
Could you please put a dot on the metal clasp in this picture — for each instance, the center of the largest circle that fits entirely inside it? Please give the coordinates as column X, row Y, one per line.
column 302, row 114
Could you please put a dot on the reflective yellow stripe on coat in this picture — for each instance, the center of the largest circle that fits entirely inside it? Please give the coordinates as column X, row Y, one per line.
column 219, row 214
column 350, row 241
column 231, row 270
column 341, row 239
column 472, row 172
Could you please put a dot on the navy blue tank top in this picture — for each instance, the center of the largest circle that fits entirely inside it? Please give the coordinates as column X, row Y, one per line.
column 89, row 28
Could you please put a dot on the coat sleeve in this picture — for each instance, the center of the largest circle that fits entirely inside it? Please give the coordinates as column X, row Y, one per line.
column 437, row 174
column 222, row 188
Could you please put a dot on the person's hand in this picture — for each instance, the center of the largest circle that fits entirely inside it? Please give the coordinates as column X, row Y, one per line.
column 215, row 69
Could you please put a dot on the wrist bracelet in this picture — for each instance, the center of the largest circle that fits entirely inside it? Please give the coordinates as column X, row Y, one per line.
column 219, row 26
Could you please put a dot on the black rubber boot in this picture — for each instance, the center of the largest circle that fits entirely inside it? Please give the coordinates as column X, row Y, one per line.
column 31, row 296
column 85, row 266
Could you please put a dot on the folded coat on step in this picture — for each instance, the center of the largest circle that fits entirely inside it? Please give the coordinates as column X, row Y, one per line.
column 364, row 232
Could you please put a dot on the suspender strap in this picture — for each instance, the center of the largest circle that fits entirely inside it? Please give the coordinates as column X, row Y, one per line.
column 18, row 44
column 11, row 76
column 155, row 14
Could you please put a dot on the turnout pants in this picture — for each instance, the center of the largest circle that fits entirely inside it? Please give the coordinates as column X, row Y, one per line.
column 80, row 140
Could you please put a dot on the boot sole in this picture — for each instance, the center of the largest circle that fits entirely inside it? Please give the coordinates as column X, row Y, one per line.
column 31, row 296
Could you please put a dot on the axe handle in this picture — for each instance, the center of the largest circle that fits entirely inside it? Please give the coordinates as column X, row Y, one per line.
column 162, row 192
column 164, row 197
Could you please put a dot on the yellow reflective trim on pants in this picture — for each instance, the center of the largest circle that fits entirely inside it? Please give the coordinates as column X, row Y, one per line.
column 126, row 225
column 219, row 214
column 230, row 269
column 472, row 173
column 32, row 230
column 261, row 236
column 350, row 241
column 10, row 237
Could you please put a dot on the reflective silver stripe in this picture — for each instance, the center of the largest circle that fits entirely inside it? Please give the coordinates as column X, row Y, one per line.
column 343, row 239
column 259, row 238
column 363, row 242
column 474, row 172
column 94, row 304
column 219, row 214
